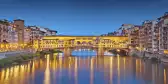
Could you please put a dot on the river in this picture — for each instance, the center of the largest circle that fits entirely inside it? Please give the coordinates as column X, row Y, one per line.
column 86, row 70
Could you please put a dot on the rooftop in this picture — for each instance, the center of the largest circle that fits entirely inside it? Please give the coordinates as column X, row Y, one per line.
column 53, row 31
column 18, row 20
column 164, row 16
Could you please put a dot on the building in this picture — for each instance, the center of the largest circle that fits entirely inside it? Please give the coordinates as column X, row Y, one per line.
column 20, row 30
column 133, row 35
column 148, row 36
column 8, row 36
column 36, row 33
column 27, row 35
column 50, row 32
column 12, row 34
column 125, row 28
column 142, row 38
column 3, row 31
column 16, row 36
column 163, row 33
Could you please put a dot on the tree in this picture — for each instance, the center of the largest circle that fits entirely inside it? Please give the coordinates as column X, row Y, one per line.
column 5, row 22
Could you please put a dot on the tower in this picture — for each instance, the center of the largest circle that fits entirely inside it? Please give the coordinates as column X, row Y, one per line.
column 20, row 29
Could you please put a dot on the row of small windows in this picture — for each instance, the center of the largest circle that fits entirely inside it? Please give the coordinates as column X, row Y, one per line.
column 72, row 45
column 81, row 44
column 53, row 42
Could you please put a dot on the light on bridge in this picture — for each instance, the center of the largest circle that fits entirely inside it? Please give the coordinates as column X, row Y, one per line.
column 118, row 50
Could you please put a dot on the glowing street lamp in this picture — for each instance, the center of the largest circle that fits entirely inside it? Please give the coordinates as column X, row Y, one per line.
column 118, row 50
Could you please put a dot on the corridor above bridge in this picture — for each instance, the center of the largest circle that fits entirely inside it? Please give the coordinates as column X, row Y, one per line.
column 69, row 43
column 81, row 41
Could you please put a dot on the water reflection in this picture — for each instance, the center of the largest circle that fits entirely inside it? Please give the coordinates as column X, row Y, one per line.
column 84, row 52
column 90, row 70
column 47, row 71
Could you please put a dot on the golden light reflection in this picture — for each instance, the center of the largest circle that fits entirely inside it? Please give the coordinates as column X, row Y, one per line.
column 111, row 69
column 7, row 74
column 69, row 67
column 22, row 73
column 118, row 68
column 140, row 66
column 17, row 74
column 2, row 75
column 47, row 71
column 121, row 66
column 33, row 70
column 76, row 71
column 60, row 65
column 136, row 68
column 165, row 77
column 124, row 67
column 91, row 71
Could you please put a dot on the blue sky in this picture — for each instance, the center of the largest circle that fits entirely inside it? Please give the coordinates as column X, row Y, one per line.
column 82, row 17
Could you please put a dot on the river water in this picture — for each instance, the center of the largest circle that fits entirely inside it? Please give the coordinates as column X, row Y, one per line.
column 86, row 70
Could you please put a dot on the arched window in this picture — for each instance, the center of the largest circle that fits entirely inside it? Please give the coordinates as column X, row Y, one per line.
column 90, row 43
column 78, row 42
column 84, row 43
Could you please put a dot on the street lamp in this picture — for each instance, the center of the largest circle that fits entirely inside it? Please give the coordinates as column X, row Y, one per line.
column 118, row 50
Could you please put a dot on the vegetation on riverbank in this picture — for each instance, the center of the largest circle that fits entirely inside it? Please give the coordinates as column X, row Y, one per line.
column 50, row 51
column 134, row 55
column 56, row 51
column 12, row 60
column 113, row 51
column 17, row 59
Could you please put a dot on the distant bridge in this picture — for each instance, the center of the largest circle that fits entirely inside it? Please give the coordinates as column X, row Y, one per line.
column 69, row 43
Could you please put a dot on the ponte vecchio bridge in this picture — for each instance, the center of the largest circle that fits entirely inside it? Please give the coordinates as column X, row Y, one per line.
column 69, row 43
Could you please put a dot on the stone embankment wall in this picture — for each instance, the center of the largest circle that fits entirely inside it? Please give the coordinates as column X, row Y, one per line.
column 162, row 57
column 16, row 53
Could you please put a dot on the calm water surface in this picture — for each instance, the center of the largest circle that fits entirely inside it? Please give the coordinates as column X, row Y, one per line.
column 86, row 70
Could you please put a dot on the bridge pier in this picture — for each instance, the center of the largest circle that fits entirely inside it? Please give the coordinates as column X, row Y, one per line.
column 100, row 52
column 67, row 52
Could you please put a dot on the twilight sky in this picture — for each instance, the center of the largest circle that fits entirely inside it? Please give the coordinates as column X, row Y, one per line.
column 82, row 17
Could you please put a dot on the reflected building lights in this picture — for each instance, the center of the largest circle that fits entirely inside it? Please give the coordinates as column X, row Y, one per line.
column 33, row 71
column 69, row 67
column 22, row 77
column 124, row 68
column 136, row 69
column 47, row 72
column 7, row 74
column 92, row 71
column 165, row 77
column 76, row 71
column 118, row 68
column 140, row 66
column 11, row 72
column 60, row 65
column 112, row 67
column 111, row 70
column 2, row 74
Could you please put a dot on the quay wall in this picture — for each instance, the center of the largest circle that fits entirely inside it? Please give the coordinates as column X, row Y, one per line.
column 142, row 54
column 16, row 53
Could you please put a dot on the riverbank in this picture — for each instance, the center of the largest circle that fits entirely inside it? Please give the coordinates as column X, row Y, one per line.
column 50, row 51
column 17, row 59
column 147, row 55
